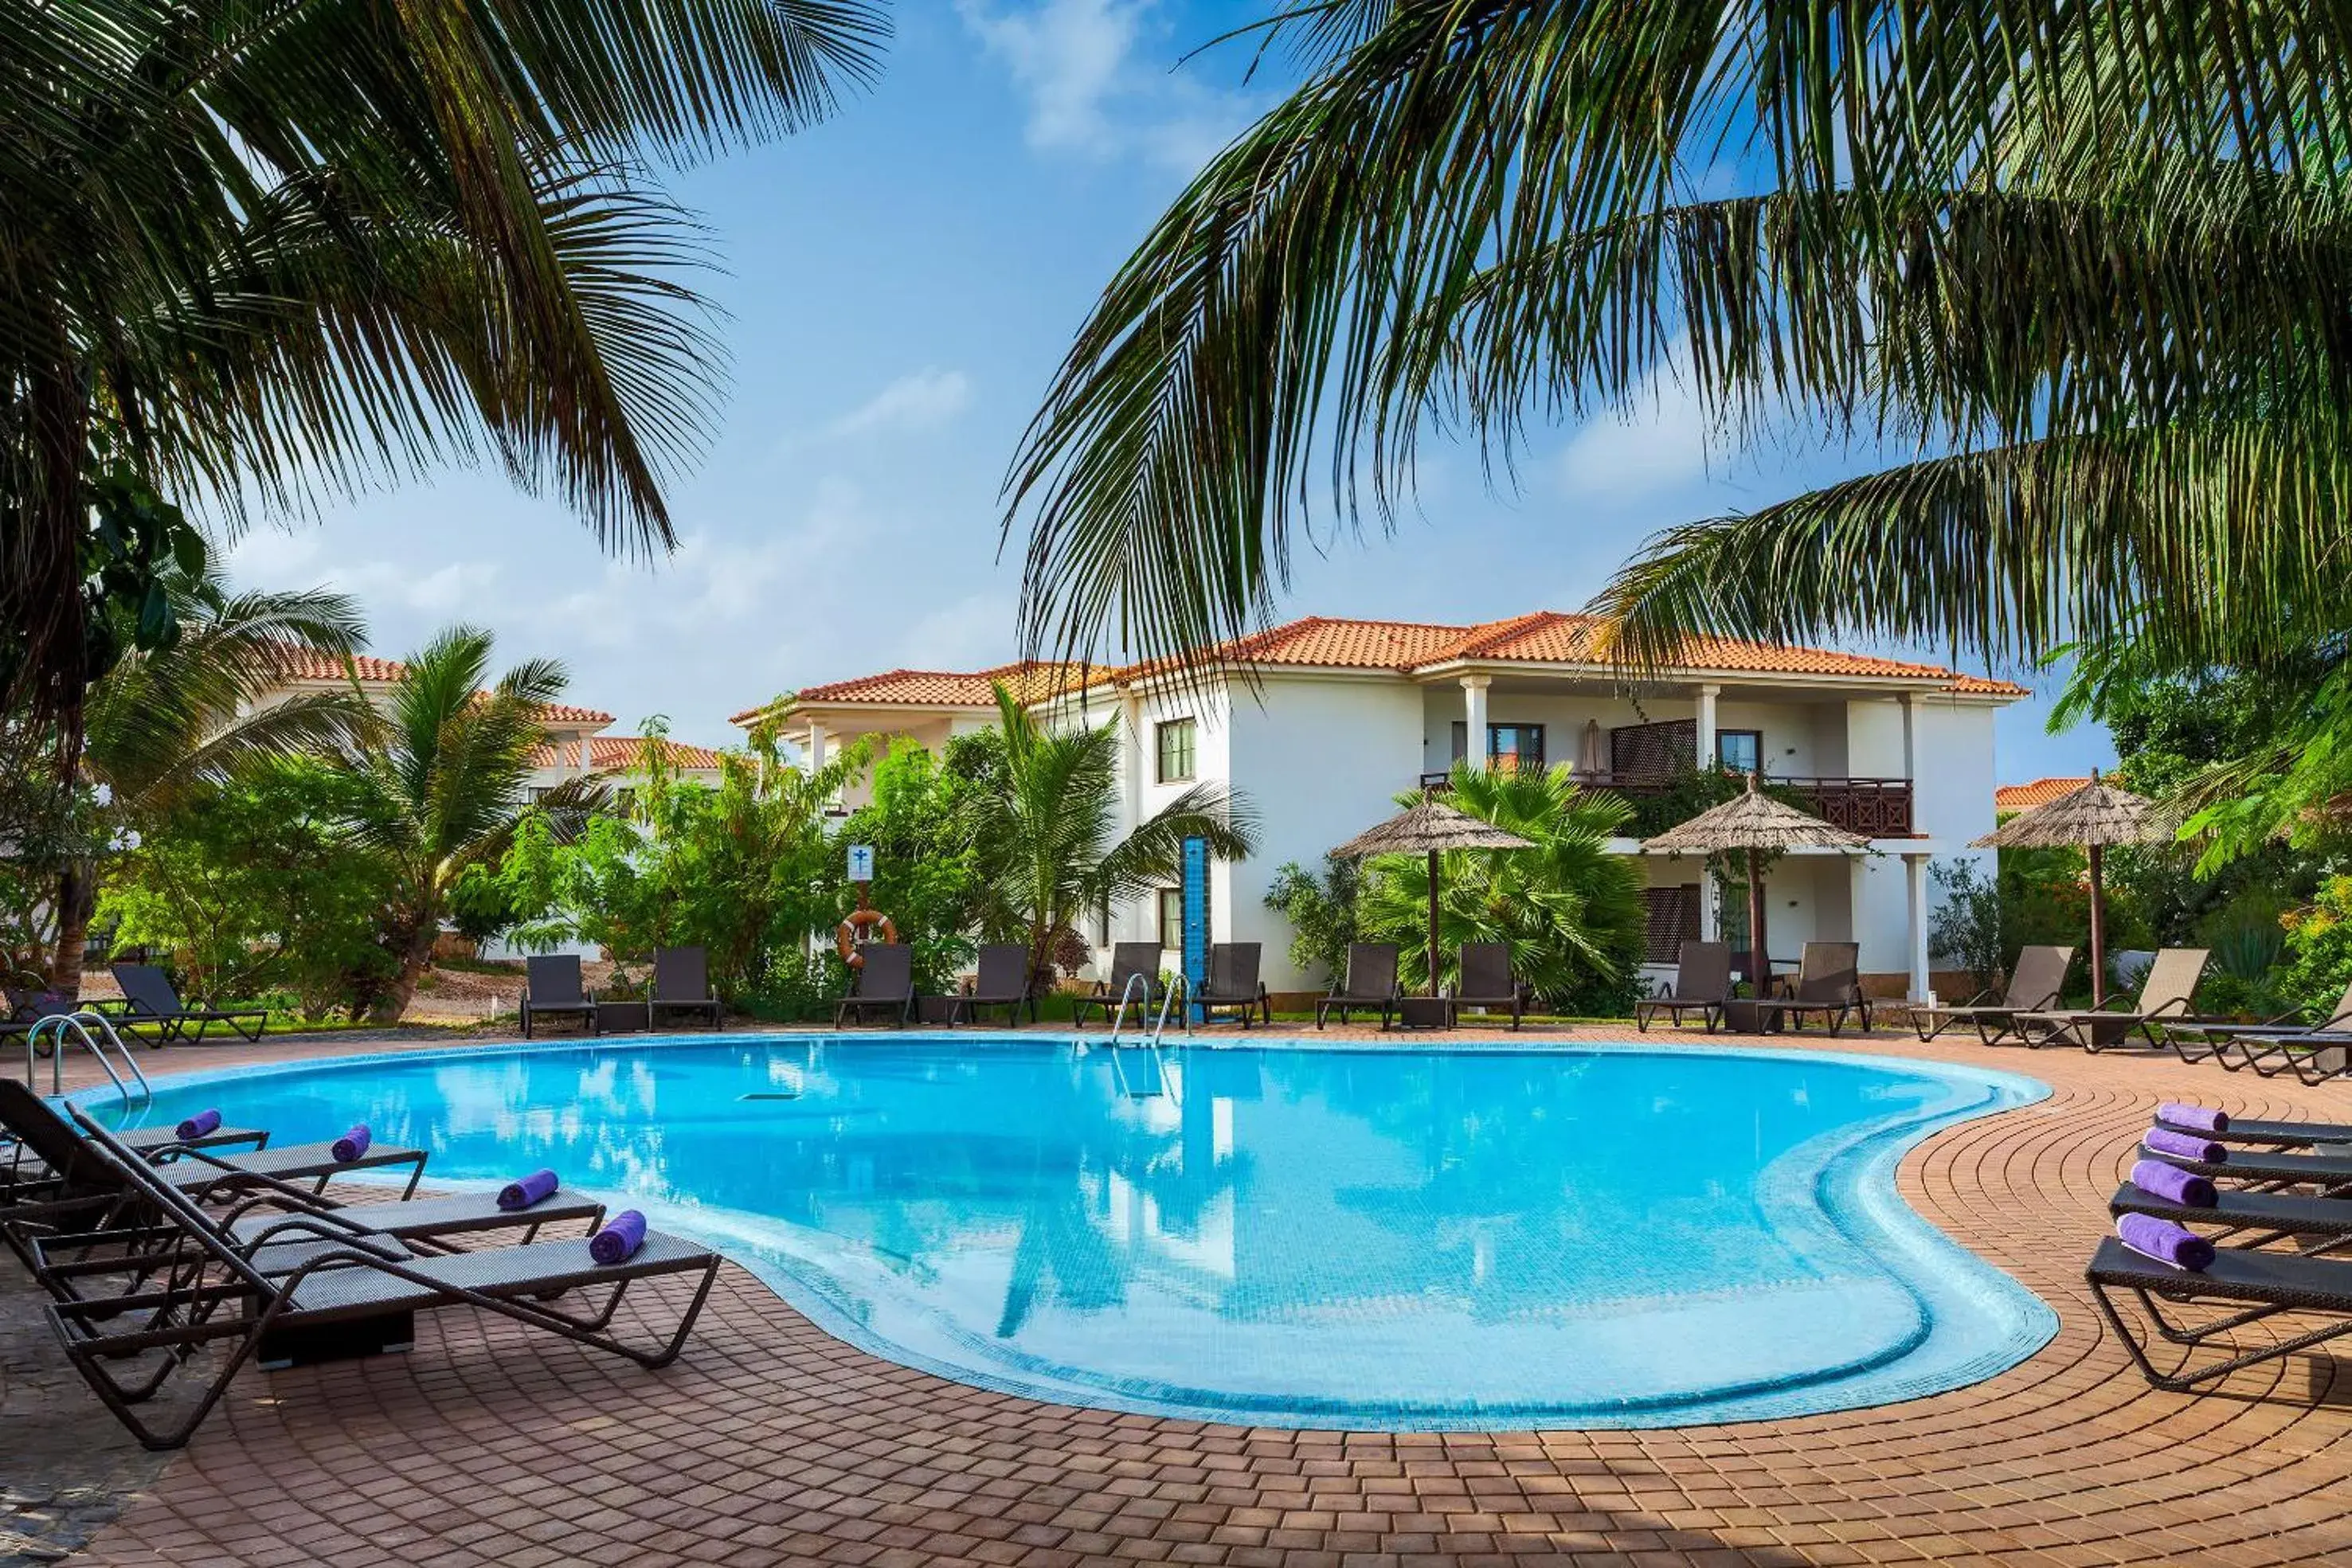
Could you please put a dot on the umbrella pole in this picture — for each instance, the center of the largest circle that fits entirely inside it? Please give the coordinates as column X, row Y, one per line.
column 1759, row 976
column 1432, row 922
column 2098, row 932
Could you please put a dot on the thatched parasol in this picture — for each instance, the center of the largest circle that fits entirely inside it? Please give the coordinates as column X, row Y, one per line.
column 1430, row 827
column 2095, row 816
column 1754, row 822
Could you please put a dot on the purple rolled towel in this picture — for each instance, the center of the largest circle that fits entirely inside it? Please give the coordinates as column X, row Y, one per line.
column 2192, row 1118
column 200, row 1125
column 2185, row 1145
column 351, row 1145
column 521, row 1195
column 2164, row 1241
column 2181, row 1187
column 622, row 1236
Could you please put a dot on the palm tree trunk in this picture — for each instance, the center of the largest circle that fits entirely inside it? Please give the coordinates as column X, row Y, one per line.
column 77, row 901
column 412, row 942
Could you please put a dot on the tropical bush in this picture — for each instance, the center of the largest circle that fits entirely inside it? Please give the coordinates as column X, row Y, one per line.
column 1570, row 912
column 1321, row 911
column 2318, row 949
column 927, row 862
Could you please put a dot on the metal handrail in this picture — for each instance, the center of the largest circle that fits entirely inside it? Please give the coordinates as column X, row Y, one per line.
column 1126, row 993
column 79, row 1021
column 1167, row 1001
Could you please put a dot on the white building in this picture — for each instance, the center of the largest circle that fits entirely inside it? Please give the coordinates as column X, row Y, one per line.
column 1343, row 714
column 576, row 748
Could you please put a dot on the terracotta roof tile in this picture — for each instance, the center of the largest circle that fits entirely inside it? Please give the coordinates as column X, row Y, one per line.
column 306, row 664
column 618, row 753
column 2041, row 792
column 1030, row 679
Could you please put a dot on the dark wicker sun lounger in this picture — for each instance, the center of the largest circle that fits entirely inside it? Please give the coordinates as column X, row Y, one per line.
column 2269, row 1048
column 1233, row 985
column 1370, row 984
column 2286, row 1135
column 884, row 984
column 126, row 1347
column 2035, row 984
column 2167, row 993
column 1002, row 981
column 2271, row 1216
column 1129, row 961
column 2269, row 1170
column 2244, row 1285
column 1702, row 984
column 150, row 1001
column 1828, row 986
column 1486, row 981
column 552, row 988
column 681, row 984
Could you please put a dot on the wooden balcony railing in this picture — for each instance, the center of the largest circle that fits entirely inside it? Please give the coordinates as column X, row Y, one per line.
column 1874, row 808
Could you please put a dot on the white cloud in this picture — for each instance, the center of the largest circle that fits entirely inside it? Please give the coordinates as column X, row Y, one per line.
column 923, row 401
column 1662, row 447
column 973, row 633
column 281, row 558
column 1089, row 94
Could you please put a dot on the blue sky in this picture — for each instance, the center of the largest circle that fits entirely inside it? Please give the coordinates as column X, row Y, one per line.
column 900, row 285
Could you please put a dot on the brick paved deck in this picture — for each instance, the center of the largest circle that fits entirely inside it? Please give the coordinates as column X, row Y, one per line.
column 771, row 1443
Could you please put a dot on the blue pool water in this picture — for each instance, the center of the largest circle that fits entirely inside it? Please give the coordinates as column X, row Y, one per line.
column 1379, row 1237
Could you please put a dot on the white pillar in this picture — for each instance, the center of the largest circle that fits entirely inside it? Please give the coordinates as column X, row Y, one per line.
column 1473, row 717
column 1914, row 878
column 580, row 758
column 816, row 746
column 1706, row 695
column 1710, row 907
column 1911, row 705
column 1132, row 746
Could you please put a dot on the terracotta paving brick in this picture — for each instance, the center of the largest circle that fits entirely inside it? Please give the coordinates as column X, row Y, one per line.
column 770, row 1443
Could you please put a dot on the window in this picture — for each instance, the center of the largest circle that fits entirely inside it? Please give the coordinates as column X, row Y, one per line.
column 1176, row 746
column 1171, row 918
column 1509, row 747
column 1740, row 750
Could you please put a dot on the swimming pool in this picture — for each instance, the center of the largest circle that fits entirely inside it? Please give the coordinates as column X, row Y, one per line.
column 1382, row 1238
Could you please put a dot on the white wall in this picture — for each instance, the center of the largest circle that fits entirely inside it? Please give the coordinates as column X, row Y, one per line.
column 1801, row 740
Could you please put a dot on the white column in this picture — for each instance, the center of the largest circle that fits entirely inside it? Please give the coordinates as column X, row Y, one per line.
column 1915, row 880
column 1911, row 703
column 1132, row 745
column 1474, row 717
column 1706, row 695
column 1710, row 907
column 816, row 746
column 580, row 756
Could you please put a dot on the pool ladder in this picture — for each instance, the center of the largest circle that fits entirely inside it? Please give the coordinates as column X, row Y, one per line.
column 1158, row 1030
column 57, row 1024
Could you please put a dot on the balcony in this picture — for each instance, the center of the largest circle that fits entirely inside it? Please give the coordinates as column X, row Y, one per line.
column 1874, row 808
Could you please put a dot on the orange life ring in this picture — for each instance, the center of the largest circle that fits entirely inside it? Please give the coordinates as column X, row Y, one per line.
column 850, row 935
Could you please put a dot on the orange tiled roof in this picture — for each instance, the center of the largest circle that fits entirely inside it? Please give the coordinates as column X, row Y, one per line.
column 2041, row 792
column 617, row 753
column 1030, row 679
column 307, row 664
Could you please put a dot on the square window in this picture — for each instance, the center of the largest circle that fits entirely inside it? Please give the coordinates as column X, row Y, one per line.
column 1176, row 747
column 1740, row 750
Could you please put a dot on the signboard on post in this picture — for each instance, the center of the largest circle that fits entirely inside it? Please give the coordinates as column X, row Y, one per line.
column 861, row 862
column 1196, row 918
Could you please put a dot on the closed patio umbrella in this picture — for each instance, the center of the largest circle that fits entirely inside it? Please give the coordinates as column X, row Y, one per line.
column 1754, row 822
column 1590, row 758
column 2095, row 816
column 1430, row 827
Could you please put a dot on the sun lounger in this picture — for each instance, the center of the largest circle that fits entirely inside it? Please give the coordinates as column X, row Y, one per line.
column 1233, row 984
column 2268, row 1047
column 1829, row 984
column 128, row 1347
column 1702, row 984
column 1002, row 980
column 884, row 984
column 2271, row 1216
column 1370, row 984
column 150, row 1001
column 1484, row 980
column 2035, row 982
column 1129, row 961
column 2167, row 992
column 552, row 988
column 681, row 984
column 2288, row 1135
column 2268, row 1169
column 2246, row 1286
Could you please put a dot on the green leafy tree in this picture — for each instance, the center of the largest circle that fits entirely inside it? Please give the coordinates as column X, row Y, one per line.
column 2318, row 958
column 1321, row 911
column 926, row 864
column 440, row 784
column 254, row 888
column 258, row 254
column 1570, row 911
column 1046, row 830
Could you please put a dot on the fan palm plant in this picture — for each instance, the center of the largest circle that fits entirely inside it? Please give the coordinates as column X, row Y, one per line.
column 440, row 783
column 1570, row 912
column 2088, row 261
column 1047, row 828
column 264, row 251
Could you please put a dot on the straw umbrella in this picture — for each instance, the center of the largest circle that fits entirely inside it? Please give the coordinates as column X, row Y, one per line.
column 1754, row 822
column 2095, row 816
column 1430, row 827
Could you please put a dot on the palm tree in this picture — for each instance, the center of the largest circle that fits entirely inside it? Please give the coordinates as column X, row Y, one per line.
column 264, row 251
column 2088, row 261
column 1047, row 830
column 1570, row 912
column 440, row 783
column 184, row 715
